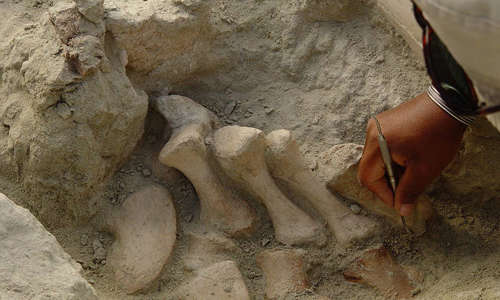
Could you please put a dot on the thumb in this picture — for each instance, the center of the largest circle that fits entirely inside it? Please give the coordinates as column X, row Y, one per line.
column 412, row 183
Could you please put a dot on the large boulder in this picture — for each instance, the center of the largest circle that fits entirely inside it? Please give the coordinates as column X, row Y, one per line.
column 70, row 115
column 33, row 264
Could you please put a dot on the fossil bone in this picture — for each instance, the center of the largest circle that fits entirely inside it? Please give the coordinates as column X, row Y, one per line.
column 339, row 166
column 284, row 272
column 286, row 163
column 144, row 228
column 376, row 268
column 207, row 248
column 240, row 151
column 220, row 281
column 187, row 152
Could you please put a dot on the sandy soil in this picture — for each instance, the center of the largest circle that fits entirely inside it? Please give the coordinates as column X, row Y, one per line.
column 322, row 109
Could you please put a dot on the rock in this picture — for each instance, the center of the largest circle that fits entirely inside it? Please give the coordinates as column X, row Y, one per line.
column 355, row 209
column 145, row 232
column 473, row 174
column 84, row 239
column 269, row 110
column 33, row 264
column 73, row 114
column 229, row 108
column 338, row 167
column 284, row 272
column 207, row 249
column 99, row 255
column 220, row 281
column 377, row 269
column 146, row 172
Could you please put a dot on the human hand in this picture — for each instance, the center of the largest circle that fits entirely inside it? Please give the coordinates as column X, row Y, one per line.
column 422, row 138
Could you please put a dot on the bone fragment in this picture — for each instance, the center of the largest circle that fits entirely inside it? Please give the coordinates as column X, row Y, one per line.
column 284, row 272
column 377, row 269
column 287, row 164
column 187, row 152
column 240, row 151
column 221, row 281
column 206, row 249
column 339, row 167
column 144, row 228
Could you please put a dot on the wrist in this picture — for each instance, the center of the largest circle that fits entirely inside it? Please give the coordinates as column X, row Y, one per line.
column 434, row 95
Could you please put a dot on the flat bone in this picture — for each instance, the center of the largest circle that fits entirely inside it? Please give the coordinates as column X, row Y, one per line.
column 284, row 272
column 144, row 228
column 287, row 164
column 240, row 151
column 339, row 167
column 220, row 281
column 377, row 269
column 187, row 152
column 206, row 249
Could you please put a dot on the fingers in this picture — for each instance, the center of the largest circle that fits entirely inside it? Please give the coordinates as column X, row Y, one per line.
column 371, row 173
column 412, row 183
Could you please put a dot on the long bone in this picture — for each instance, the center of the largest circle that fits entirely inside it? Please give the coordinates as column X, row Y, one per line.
column 287, row 164
column 187, row 152
column 240, row 151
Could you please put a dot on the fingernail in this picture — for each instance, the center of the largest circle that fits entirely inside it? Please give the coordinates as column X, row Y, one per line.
column 406, row 209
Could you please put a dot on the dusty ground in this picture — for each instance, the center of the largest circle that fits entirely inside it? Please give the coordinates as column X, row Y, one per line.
column 323, row 108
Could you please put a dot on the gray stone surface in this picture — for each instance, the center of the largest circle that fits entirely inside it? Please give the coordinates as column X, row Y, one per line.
column 32, row 263
column 70, row 115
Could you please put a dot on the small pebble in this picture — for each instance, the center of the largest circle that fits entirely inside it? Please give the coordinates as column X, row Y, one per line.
column 229, row 108
column 99, row 255
column 146, row 172
column 355, row 208
column 91, row 281
column 380, row 59
column 188, row 218
column 84, row 239
column 96, row 244
column 269, row 110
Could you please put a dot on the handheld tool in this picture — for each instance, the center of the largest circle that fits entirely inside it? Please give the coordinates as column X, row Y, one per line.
column 386, row 157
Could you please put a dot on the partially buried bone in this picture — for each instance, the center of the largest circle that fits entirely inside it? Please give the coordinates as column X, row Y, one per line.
column 377, row 268
column 144, row 228
column 240, row 151
column 187, row 152
column 286, row 163
column 339, row 167
column 205, row 249
column 219, row 281
column 284, row 272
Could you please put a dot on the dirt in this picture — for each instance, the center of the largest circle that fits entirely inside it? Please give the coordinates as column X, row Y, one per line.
column 370, row 71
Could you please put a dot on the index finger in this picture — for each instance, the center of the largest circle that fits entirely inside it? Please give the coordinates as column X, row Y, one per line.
column 371, row 173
